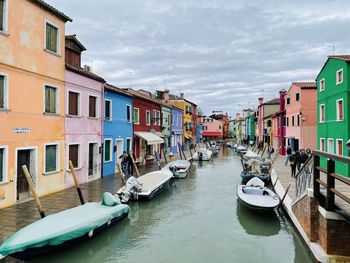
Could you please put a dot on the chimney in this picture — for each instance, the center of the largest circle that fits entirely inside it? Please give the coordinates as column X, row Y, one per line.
column 261, row 100
column 87, row 68
column 283, row 93
column 182, row 95
column 166, row 95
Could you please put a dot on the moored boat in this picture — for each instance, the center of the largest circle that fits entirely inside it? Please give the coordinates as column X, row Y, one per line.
column 179, row 168
column 241, row 149
column 248, row 175
column 202, row 154
column 255, row 195
column 63, row 229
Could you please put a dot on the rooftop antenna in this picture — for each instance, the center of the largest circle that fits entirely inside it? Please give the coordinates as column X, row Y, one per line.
column 333, row 48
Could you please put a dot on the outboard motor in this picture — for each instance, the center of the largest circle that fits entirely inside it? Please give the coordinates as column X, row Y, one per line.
column 132, row 187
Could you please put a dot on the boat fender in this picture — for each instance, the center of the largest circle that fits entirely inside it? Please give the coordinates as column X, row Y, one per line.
column 91, row 233
column 109, row 223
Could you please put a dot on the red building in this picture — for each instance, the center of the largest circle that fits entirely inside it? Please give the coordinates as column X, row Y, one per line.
column 147, row 125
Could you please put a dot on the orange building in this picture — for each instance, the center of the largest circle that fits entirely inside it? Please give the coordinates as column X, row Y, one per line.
column 31, row 98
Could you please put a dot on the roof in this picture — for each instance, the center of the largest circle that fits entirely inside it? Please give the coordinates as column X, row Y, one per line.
column 268, row 116
column 116, row 89
column 275, row 101
column 305, row 85
column 52, row 10
column 84, row 72
column 175, row 97
column 139, row 95
column 345, row 58
column 76, row 41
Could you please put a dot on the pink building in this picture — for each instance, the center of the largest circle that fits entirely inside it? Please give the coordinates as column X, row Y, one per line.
column 83, row 118
column 212, row 128
column 278, row 132
column 300, row 120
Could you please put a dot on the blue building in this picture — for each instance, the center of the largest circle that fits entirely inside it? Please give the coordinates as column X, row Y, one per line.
column 176, row 128
column 117, row 127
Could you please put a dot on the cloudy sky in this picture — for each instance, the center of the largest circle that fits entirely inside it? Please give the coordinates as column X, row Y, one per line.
column 222, row 54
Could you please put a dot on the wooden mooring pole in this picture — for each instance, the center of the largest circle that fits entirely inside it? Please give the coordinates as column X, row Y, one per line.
column 76, row 182
column 179, row 147
column 284, row 196
column 164, row 154
column 135, row 166
column 121, row 173
column 158, row 160
column 32, row 189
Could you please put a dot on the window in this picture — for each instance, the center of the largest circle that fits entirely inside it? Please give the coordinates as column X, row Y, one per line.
column 51, row 158
column 287, row 123
column 3, row 92
column 74, row 154
column 128, row 145
column 339, row 76
column 292, row 120
column 107, row 150
column 92, row 107
column 322, row 144
column 3, row 164
column 330, row 146
column 52, row 38
column 158, row 118
column 50, row 99
column 172, row 119
column 73, row 103
column 322, row 84
column 297, row 96
column 340, row 110
column 3, row 15
column 108, row 109
column 136, row 116
column 148, row 117
column 322, row 116
column 128, row 113
column 298, row 119
column 288, row 101
column 154, row 117
column 219, row 127
column 339, row 150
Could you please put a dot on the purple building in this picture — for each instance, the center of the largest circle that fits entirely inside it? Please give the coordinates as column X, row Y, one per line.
column 176, row 128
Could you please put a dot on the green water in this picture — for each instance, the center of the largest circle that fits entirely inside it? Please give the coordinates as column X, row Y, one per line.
column 197, row 219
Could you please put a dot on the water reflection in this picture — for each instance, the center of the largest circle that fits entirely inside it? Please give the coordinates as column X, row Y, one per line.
column 258, row 224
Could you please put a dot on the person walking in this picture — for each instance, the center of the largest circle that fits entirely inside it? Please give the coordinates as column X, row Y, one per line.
column 270, row 152
column 292, row 162
column 298, row 159
column 289, row 152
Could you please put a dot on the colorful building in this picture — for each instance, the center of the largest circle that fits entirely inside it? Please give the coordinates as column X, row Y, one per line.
column 199, row 125
column 264, row 116
column 333, row 91
column 147, row 126
column 176, row 129
column 223, row 118
column 166, row 125
column 300, row 106
column 212, row 129
column 31, row 99
column 117, row 127
column 250, row 128
column 232, row 127
column 83, row 115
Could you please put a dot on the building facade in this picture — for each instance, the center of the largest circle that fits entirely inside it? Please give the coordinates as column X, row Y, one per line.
column 212, row 129
column 117, row 127
column 223, row 118
column 31, row 99
column 176, row 129
column 333, row 127
column 264, row 114
column 166, row 125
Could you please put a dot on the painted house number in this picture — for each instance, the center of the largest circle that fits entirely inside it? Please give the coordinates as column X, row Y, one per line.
column 20, row 130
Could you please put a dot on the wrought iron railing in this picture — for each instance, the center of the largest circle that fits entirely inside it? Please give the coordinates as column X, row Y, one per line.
column 304, row 178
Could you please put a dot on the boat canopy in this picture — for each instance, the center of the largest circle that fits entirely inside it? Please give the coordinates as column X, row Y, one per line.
column 149, row 137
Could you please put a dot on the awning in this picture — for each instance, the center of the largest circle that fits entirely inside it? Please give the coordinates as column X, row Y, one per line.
column 159, row 134
column 149, row 137
column 212, row 134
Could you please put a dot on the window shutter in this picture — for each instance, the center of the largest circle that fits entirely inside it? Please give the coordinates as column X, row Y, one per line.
column 2, row 92
column 107, row 109
column 73, row 103
column 92, row 106
column 2, row 10
column 74, row 154
column 50, row 158
column 107, row 150
column 340, row 105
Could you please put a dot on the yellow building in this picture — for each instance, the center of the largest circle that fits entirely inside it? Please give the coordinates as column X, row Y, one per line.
column 32, row 77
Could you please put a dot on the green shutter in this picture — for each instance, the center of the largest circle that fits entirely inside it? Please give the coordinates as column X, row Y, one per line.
column 50, row 158
column 50, row 100
column 2, row 92
column 51, row 38
column 2, row 11
column 1, row 165
column 107, row 150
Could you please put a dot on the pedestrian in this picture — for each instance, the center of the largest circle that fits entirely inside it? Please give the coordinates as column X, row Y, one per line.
column 298, row 159
column 292, row 162
column 289, row 152
column 270, row 152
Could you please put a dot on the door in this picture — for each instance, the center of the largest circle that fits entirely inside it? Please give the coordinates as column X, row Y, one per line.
column 23, row 158
column 91, row 158
column 120, row 148
column 128, row 145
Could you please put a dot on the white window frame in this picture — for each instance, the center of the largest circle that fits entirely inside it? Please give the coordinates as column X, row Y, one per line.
column 57, row 99
column 328, row 141
column 138, row 116
column 111, row 150
column 5, row 17
column 336, row 146
column 79, row 155
column 324, row 140
column 158, row 118
column 126, row 140
column 58, row 38
column 131, row 113
column 6, row 90
column 5, row 164
column 97, row 106
column 110, row 110
column 324, row 84
column 148, row 121
column 79, row 103
column 337, row 82
column 154, row 117
column 57, row 158
column 337, row 108
column 324, row 113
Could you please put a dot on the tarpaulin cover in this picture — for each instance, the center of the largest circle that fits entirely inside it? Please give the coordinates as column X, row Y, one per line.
column 57, row 228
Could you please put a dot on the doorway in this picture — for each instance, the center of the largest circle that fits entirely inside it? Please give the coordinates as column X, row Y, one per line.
column 93, row 159
column 119, row 152
column 25, row 157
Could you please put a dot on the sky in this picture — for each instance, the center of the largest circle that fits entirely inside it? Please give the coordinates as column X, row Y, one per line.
column 222, row 54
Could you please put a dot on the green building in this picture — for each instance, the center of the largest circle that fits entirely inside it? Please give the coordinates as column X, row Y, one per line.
column 250, row 128
column 166, row 126
column 333, row 92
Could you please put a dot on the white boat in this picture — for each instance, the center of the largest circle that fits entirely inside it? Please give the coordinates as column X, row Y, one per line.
column 146, row 186
column 179, row 168
column 241, row 149
column 202, row 154
column 230, row 144
column 255, row 195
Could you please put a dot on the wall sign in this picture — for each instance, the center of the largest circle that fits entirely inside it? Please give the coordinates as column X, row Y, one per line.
column 20, row 130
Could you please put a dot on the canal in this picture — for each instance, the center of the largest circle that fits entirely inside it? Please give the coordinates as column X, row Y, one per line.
column 197, row 219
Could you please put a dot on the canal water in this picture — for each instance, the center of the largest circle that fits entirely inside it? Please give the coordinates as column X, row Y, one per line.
column 197, row 219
